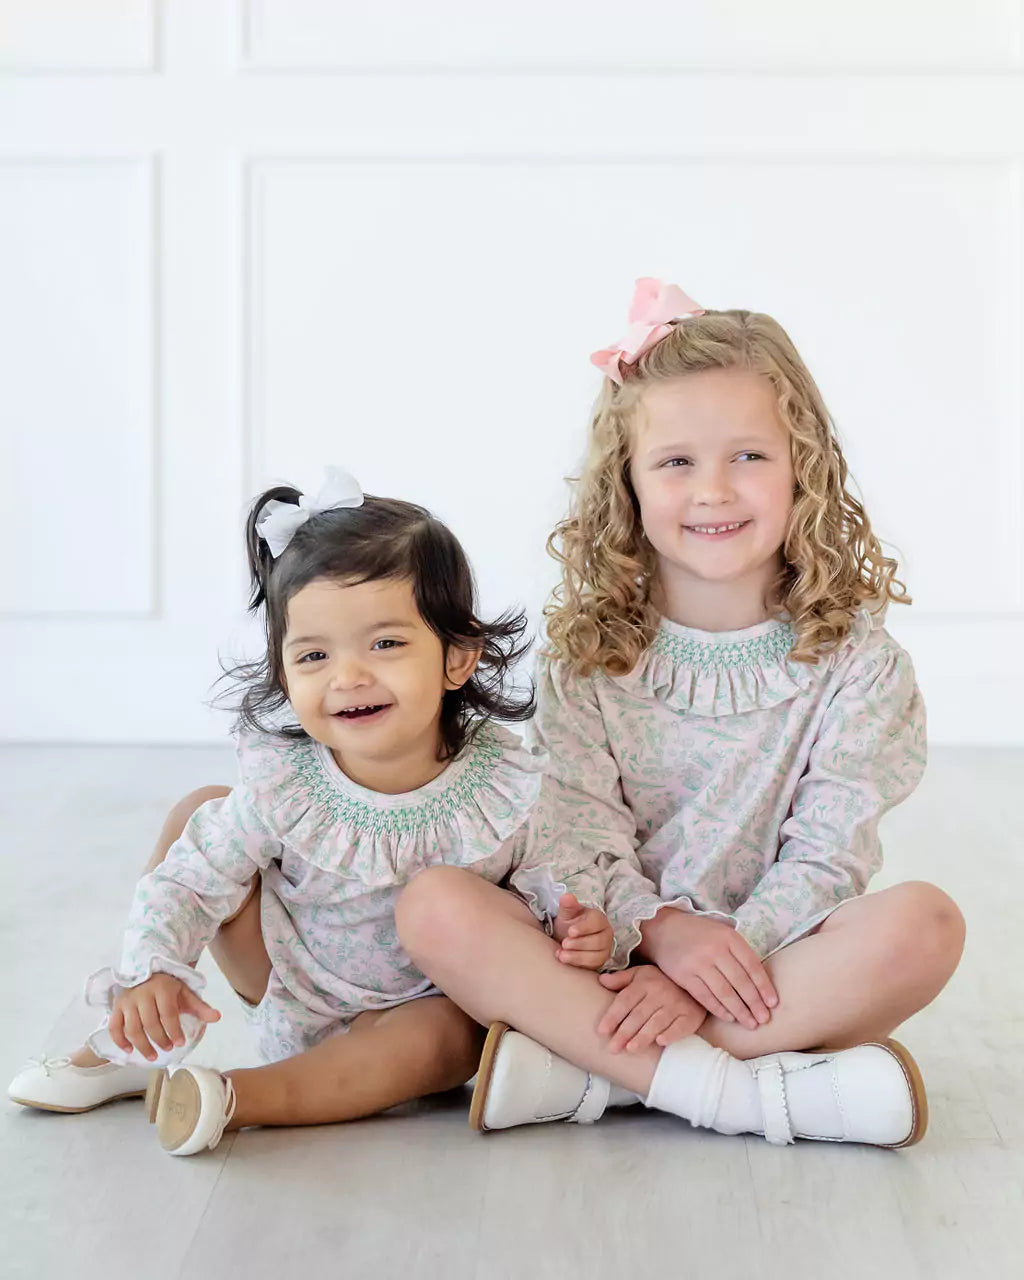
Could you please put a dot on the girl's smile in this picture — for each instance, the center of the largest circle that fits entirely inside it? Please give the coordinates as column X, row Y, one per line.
column 362, row 714
column 716, row 531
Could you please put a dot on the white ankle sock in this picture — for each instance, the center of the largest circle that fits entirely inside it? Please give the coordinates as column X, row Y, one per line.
column 706, row 1086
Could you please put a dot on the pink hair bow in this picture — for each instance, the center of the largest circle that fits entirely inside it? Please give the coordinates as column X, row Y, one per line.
column 655, row 305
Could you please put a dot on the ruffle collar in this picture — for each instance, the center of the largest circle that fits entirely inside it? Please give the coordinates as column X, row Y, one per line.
column 468, row 810
column 720, row 673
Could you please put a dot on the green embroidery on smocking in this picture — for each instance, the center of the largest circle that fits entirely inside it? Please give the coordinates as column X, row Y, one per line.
column 708, row 656
column 401, row 820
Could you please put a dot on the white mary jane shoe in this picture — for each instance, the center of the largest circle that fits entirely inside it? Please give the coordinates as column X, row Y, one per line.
column 190, row 1107
column 56, row 1084
column 521, row 1082
column 871, row 1094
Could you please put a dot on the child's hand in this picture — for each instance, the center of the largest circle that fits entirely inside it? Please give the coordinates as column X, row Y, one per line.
column 649, row 1009
column 584, row 935
column 150, row 1014
column 717, row 966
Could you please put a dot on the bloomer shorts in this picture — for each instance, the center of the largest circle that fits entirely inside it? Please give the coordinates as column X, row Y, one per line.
column 284, row 1026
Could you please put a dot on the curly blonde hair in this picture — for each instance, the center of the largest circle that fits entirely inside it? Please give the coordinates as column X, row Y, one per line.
column 601, row 614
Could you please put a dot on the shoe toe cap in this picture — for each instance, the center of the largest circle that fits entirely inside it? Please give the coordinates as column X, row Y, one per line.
column 876, row 1097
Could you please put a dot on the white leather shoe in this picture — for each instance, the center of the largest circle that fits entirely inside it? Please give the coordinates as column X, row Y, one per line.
column 521, row 1082
column 56, row 1084
column 190, row 1107
column 872, row 1093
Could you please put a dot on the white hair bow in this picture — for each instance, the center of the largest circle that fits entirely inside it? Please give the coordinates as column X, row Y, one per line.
column 278, row 521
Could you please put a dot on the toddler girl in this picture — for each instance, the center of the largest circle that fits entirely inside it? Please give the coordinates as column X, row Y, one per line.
column 366, row 753
column 727, row 720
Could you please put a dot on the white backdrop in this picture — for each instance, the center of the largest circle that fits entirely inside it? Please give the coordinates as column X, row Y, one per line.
column 242, row 240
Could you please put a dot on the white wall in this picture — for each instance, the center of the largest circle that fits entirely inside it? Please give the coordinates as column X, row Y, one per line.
column 241, row 240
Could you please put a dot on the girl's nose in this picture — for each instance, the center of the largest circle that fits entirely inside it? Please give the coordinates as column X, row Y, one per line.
column 346, row 673
column 712, row 486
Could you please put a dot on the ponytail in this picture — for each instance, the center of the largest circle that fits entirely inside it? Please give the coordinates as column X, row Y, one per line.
column 257, row 551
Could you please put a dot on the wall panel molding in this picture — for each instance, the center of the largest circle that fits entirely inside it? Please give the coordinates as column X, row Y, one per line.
column 98, row 502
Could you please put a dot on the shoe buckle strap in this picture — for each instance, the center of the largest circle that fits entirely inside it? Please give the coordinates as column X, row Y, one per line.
column 593, row 1102
column 771, row 1086
column 230, row 1099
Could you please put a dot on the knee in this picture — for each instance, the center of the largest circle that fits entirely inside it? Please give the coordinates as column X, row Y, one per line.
column 432, row 909
column 928, row 927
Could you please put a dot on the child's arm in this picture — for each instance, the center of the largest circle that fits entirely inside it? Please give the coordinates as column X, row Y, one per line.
column 581, row 833
column 869, row 755
column 176, row 910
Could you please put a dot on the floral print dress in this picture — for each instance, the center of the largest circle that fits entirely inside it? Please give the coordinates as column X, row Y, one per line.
column 723, row 779
column 332, row 858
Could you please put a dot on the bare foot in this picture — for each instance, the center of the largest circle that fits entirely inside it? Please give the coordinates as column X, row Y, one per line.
column 86, row 1058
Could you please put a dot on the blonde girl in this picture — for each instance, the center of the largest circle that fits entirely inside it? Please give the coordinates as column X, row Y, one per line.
column 727, row 720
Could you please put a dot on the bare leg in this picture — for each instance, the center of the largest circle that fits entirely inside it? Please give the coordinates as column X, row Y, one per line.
column 481, row 945
column 851, row 981
column 869, row 966
column 425, row 1046
column 238, row 946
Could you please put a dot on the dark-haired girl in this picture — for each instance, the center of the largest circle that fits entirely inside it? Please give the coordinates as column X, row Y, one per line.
column 366, row 753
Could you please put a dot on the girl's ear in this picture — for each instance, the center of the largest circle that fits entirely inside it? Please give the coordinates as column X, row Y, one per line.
column 459, row 665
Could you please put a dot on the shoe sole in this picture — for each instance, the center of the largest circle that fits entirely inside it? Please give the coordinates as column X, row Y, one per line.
column 173, row 1104
column 153, row 1090
column 483, row 1077
column 918, row 1096
column 76, row 1111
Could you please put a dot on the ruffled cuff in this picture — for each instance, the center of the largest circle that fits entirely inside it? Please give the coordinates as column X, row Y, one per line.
column 629, row 916
column 632, row 914
column 102, row 989
column 540, row 891
column 104, row 986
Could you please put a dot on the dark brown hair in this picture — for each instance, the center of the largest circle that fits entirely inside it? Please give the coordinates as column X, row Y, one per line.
column 382, row 539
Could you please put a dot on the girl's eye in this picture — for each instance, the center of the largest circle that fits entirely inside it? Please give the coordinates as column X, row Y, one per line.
column 317, row 655
column 671, row 462
column 383, row 645
column 749, row 453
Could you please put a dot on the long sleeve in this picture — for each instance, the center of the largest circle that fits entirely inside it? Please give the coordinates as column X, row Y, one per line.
column 178, row 908
column 869, row 755
column 581, row 828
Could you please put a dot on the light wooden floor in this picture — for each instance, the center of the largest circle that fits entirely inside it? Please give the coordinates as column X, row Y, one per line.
column 415, row 1193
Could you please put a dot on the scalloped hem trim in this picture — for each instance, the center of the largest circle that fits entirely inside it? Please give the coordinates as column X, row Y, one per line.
column 627, row 942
